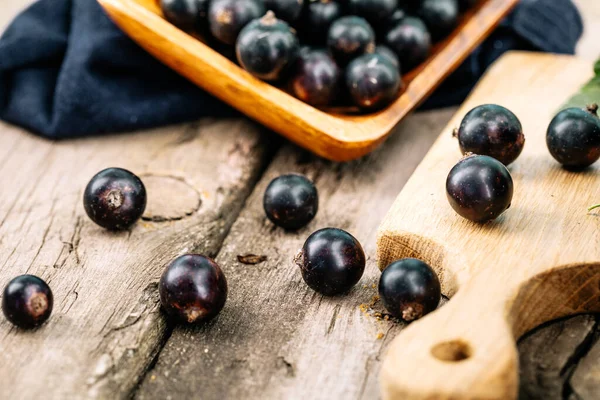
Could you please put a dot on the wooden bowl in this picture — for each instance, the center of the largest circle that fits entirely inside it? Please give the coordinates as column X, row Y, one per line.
column 334, row 136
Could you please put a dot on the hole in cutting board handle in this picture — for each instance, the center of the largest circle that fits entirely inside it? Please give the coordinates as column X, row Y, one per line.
column 452, row 351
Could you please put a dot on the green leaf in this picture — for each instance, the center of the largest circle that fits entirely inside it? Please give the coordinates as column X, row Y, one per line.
column 589, row 93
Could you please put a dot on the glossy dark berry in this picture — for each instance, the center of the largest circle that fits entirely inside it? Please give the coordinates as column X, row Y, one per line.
column 287, row 10
column 374, row 11
column 226, row 18
column 192, row 289
column 27, row 301
column 291, row 201
column 411, row 42
column 372, row 81
column 316, row 78
column 440, row 17
column 389, row 55
column 189, row 15
column 267, row 47
column 114, row 198
column 350, row 37
column 316, row 19
column 332, row 261
column 491, row 130
column 573, row 137
column 409, row 289
column 479, row 188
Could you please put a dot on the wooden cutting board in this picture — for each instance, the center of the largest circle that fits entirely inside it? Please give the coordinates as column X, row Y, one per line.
column 539, row 261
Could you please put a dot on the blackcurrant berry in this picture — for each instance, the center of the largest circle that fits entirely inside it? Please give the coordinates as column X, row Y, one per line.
column 440, row 17
column 331, row 261
column 192, row 289
column 27, row 301
column 411, row 42
column 287, row 10
column 491, row 130
column 266, row 47
column 374, row 11
column 226, row 18
column 316, row 19
column 409, row 289
column 350, row 37
column 114, row 198
column 479, row 188
column 573, row 137
column 390, row 21
column 189, row 15
column 316, row 78
column 372, row 81
column 291, row 201
column 388, row 54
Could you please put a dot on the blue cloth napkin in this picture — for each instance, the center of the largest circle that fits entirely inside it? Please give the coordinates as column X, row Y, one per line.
column 66, row 70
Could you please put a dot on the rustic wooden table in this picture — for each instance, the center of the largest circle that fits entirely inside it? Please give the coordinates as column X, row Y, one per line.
column 275, row 338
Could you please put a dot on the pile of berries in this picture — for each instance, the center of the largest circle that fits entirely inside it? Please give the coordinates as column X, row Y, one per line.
column 323, row 51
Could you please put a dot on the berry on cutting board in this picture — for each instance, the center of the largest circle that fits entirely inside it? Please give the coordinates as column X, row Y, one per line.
column 409, row 289
column 479, row 188
column 331, row 261
column 27, row 301
column 291, row 201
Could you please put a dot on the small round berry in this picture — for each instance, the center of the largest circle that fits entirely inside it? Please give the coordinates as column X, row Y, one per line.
column 374, row 11
column 287, row 10
column 388, row 54
column 491, row 130
column 350, row 37
column 440, row 17
column 291, row 201
column 331, row 261
column 226, row 18
column 411, row 42
column 372, row 81
column 27, row 301
column 409, row 289
column 192, row 289
column 115, row 198
column 479, row 188
column 573, row 137
column 317, row 18
column 316, row 79
column 189, row 15
column 266, row 47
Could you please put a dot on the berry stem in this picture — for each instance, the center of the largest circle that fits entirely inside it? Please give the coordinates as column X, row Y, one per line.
column 592, row 109
column 593, row 207
column 455, row 133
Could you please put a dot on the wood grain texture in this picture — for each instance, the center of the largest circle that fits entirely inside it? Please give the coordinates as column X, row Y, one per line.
column 333, row 136
column 276, row 338
column 106, row 327
column 538, row 261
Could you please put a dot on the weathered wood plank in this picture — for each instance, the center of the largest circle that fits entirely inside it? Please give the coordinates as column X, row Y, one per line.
column 106, row 328
column 276, row 338
column 585, row 379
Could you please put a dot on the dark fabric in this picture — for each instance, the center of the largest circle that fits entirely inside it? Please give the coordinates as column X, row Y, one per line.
column 66, row 70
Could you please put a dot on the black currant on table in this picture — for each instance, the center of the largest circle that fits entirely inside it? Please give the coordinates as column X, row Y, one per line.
column 331, row 261
column 189, row 15
column 374, row 11
column 573, row 137
column 192, row 289
column 479, row 188
column 291, row 201
column 411, row 41
column 350, row 37
column 115, row 198
column 287, row 10
column 491, row 130
column 226, row 18
column 389, row 54
column 372, row 81
column 27, row 301
column 267, row 47
column 316, row 78
column 409, row 289
column 316, row 19
column 440, row 17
